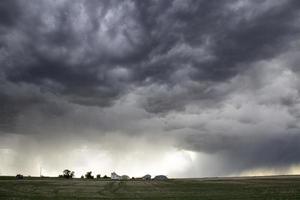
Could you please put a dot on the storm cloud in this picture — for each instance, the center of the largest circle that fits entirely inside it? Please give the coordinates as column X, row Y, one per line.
column 213, row 83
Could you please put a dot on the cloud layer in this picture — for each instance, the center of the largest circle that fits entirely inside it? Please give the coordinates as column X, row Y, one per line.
column 209, row 83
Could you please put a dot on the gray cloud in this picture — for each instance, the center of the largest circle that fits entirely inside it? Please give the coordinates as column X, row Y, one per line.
column 218, row 78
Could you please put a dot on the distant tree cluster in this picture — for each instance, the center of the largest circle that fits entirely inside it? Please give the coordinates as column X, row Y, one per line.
column 105, row 177
column 67, row 174
column 70, row 174
column 89, row 175
column 19, row 176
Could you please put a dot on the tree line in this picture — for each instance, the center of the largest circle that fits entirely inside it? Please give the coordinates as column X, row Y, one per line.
column 68, row 174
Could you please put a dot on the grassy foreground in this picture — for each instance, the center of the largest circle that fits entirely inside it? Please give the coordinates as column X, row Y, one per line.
column 264, row 188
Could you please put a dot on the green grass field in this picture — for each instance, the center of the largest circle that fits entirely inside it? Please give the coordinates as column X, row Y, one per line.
column 264, row 188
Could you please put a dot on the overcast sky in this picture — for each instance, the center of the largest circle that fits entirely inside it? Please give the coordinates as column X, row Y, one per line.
column 183, row 88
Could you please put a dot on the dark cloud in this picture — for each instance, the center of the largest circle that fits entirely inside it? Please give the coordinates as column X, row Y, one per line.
column 249, row 152
column 199, row 72
column 10, row 12
column 151, row 40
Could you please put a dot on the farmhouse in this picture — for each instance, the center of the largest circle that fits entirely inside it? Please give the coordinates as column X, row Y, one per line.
column 115, row 176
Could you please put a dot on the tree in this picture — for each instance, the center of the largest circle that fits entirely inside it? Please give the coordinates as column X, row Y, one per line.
column 68, row 174
column 19, row 176
column 105, row 177
column 98, row 176
column 88, row 175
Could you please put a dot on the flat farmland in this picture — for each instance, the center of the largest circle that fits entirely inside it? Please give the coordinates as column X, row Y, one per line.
column 273, row 188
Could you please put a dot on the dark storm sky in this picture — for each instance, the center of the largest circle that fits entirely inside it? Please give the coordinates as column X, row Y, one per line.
column 214, row 84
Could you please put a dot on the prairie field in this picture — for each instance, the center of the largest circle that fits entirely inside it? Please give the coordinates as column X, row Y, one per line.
column 273, row 188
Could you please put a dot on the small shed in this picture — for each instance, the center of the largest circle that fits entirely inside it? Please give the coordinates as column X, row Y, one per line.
column 160, row 178
column 147, row 177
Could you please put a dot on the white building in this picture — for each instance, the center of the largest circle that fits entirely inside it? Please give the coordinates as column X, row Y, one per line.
column 147, row 177
column 161, row 177
column 125, row 177
column 115, row 176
